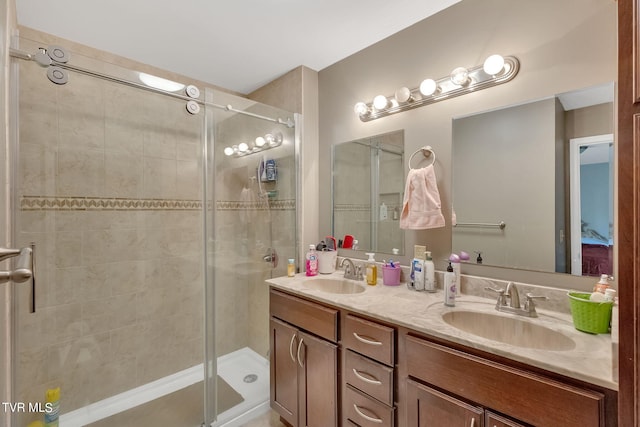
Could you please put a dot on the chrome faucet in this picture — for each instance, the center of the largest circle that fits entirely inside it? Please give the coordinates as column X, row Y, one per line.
column 351, row 271
column 513, row 306
column 512, row 294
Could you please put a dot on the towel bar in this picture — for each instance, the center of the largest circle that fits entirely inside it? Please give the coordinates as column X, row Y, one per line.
column 501, row 225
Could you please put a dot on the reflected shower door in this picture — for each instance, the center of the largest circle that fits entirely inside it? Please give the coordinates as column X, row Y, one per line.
column 109, row 187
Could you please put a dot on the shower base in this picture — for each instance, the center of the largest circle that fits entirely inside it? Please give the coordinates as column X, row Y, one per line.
column 244, row 370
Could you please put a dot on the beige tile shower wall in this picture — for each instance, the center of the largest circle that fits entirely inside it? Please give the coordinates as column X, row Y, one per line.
column 110, row 187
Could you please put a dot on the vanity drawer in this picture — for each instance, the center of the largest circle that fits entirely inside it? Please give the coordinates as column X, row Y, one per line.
column 371, row 339
column 315, row 318
column 365, row 411
column 370, row 377
column 503, row 388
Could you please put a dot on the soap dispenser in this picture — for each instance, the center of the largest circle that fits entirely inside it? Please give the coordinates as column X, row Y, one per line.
column 450, row 287
column 372, row 270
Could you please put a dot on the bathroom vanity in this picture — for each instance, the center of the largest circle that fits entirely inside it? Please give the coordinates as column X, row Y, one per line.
column 388, row 356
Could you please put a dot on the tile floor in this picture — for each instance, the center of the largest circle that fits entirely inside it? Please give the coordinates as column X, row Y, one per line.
column 270, row 419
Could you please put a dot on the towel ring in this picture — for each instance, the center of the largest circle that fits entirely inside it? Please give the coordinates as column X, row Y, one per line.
column 427, row 152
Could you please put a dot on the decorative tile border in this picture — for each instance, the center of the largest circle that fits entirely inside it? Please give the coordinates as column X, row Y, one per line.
column 352, row 207
column 46, row 203
column 29, row 203
column 231, row 205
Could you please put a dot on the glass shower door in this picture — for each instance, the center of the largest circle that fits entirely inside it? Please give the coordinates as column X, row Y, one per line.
column 109, row 187
column 254, row 217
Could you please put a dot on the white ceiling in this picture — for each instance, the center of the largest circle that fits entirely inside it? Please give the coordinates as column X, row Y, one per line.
column 235, row 44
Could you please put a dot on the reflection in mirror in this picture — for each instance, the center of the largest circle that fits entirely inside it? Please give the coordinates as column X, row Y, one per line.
column 515, row 166
column 368, row 186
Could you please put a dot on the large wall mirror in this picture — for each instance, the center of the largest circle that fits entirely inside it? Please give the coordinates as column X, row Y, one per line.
column 533, row 184
column 367, row 190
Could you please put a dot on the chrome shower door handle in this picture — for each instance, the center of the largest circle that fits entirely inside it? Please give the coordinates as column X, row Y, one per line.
column 23, row 271
column 271, row 257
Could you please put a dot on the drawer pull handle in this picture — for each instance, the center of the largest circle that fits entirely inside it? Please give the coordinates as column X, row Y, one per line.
column 473, row 422
column 365, row 416
column 293, row 358
column 365, row 379
column 299, row 347
column 365, row 340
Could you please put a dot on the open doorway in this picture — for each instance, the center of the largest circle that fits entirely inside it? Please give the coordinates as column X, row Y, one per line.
column 591, row 205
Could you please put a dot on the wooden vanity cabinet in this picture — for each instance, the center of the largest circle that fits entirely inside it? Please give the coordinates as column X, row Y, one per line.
column 369, row 350
column 304, row 361
column 427, row 407
column 461, row 381
column 331, row 367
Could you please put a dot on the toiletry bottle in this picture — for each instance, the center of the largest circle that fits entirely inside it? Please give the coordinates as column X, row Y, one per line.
column 417, row 268
column 355, row 245
column 372, row 270
column 429, row 273
column 455, row 263
column 52, row 406
column 312, row 261
column 384, row 214
column 450, row 287
column 602, row 285
column 291, row 267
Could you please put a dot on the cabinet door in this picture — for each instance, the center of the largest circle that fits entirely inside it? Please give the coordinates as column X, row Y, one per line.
column 427, row 407
column 284, row 370
column 318, row 366
column 495, row 420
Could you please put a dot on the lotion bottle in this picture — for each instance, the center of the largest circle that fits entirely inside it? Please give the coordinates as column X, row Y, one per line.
column 450, row 287
column 455, row 263
column 429, row 273
column 311, row 265
column 372, row 270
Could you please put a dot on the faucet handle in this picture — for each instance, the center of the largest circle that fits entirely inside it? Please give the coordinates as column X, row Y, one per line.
column 502, row 297
column 529, row 305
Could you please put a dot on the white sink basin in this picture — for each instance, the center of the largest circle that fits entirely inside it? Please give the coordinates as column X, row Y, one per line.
column 334, row 286
column 509, row 330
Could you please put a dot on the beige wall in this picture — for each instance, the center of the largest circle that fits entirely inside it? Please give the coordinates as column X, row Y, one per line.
column 562, row 46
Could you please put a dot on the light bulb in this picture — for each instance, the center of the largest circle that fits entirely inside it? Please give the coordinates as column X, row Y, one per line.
column 380, row 102
column 228, row 151
column 428, row 87
column 403, row 95
column 361, row 108
column 260, row 141
column 242, row 147
column 460, row 76
column 493, row 65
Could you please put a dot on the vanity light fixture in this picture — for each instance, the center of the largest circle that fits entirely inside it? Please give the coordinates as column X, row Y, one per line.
column 261, row 143
column 495, row 70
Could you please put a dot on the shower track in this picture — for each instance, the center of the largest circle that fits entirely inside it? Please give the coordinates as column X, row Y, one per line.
column 19, row 54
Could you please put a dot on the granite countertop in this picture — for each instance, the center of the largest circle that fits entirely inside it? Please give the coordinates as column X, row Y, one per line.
column 589, row 360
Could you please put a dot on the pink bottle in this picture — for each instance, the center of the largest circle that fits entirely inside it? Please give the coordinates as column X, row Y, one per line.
column 312, row 261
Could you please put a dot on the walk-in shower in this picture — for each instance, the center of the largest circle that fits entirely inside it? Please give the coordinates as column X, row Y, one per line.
column 153, row 245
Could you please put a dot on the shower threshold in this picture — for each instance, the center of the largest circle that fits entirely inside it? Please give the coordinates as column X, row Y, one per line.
column 233, row 369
